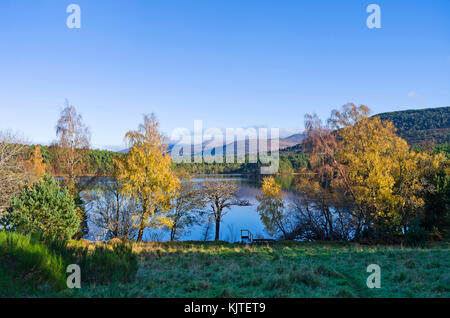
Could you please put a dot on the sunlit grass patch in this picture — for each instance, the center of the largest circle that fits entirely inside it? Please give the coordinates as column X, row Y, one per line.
column 27, row 264
column 286, row 269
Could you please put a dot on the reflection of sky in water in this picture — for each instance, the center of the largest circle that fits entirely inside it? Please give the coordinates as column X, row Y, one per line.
column 236, row 218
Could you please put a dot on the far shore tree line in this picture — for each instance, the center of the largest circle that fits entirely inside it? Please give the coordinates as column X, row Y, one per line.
column 357, row 180
column 145, row 192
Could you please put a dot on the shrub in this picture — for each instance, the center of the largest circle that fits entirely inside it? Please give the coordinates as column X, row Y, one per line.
column 415, row 234
column 44, row 208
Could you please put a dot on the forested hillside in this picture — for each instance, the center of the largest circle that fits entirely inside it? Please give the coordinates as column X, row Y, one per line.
column 420, row 126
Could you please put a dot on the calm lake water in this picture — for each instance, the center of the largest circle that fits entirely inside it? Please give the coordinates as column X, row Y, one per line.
column 235, row 219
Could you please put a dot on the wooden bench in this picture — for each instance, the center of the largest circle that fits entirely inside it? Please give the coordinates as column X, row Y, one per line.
column 246, row 236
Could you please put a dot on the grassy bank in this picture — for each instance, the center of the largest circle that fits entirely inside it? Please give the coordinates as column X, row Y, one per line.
column 28, row 266
column 31, row 267
column 289, row 269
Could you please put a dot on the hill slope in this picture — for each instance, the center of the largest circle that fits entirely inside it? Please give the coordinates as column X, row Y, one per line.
column 419, row 126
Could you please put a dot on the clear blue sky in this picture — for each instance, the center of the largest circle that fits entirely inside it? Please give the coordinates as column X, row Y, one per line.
column 231, row 63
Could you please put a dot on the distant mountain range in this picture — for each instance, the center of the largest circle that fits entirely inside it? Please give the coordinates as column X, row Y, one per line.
column 416, row 126
column 232, row 147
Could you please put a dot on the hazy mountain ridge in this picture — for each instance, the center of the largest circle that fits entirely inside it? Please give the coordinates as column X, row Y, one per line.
column 283, row 143
column 416, row 126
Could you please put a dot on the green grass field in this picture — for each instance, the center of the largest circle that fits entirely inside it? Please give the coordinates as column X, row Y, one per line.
column 286, row 269
column 283, row 270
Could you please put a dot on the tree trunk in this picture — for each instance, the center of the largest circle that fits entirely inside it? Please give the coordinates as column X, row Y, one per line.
column 141, row 231
column 140, row 235
column 217, row 229
column 116, row 223
column 172, row 233
column 142, row 221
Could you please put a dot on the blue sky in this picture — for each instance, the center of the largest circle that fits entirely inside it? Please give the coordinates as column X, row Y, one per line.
column 230, row 63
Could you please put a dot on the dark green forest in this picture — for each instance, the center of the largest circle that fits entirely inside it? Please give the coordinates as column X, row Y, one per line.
column 421, row 126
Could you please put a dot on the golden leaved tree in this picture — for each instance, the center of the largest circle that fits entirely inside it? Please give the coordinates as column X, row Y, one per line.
column 360, row 165
column 381, row 173
column 145, row 173
column 36, row 164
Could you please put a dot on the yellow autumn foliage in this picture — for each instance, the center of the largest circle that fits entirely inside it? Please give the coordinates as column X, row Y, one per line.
column 270, row 188
column 36, row 165
column 145, row 174
column 382, row 174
